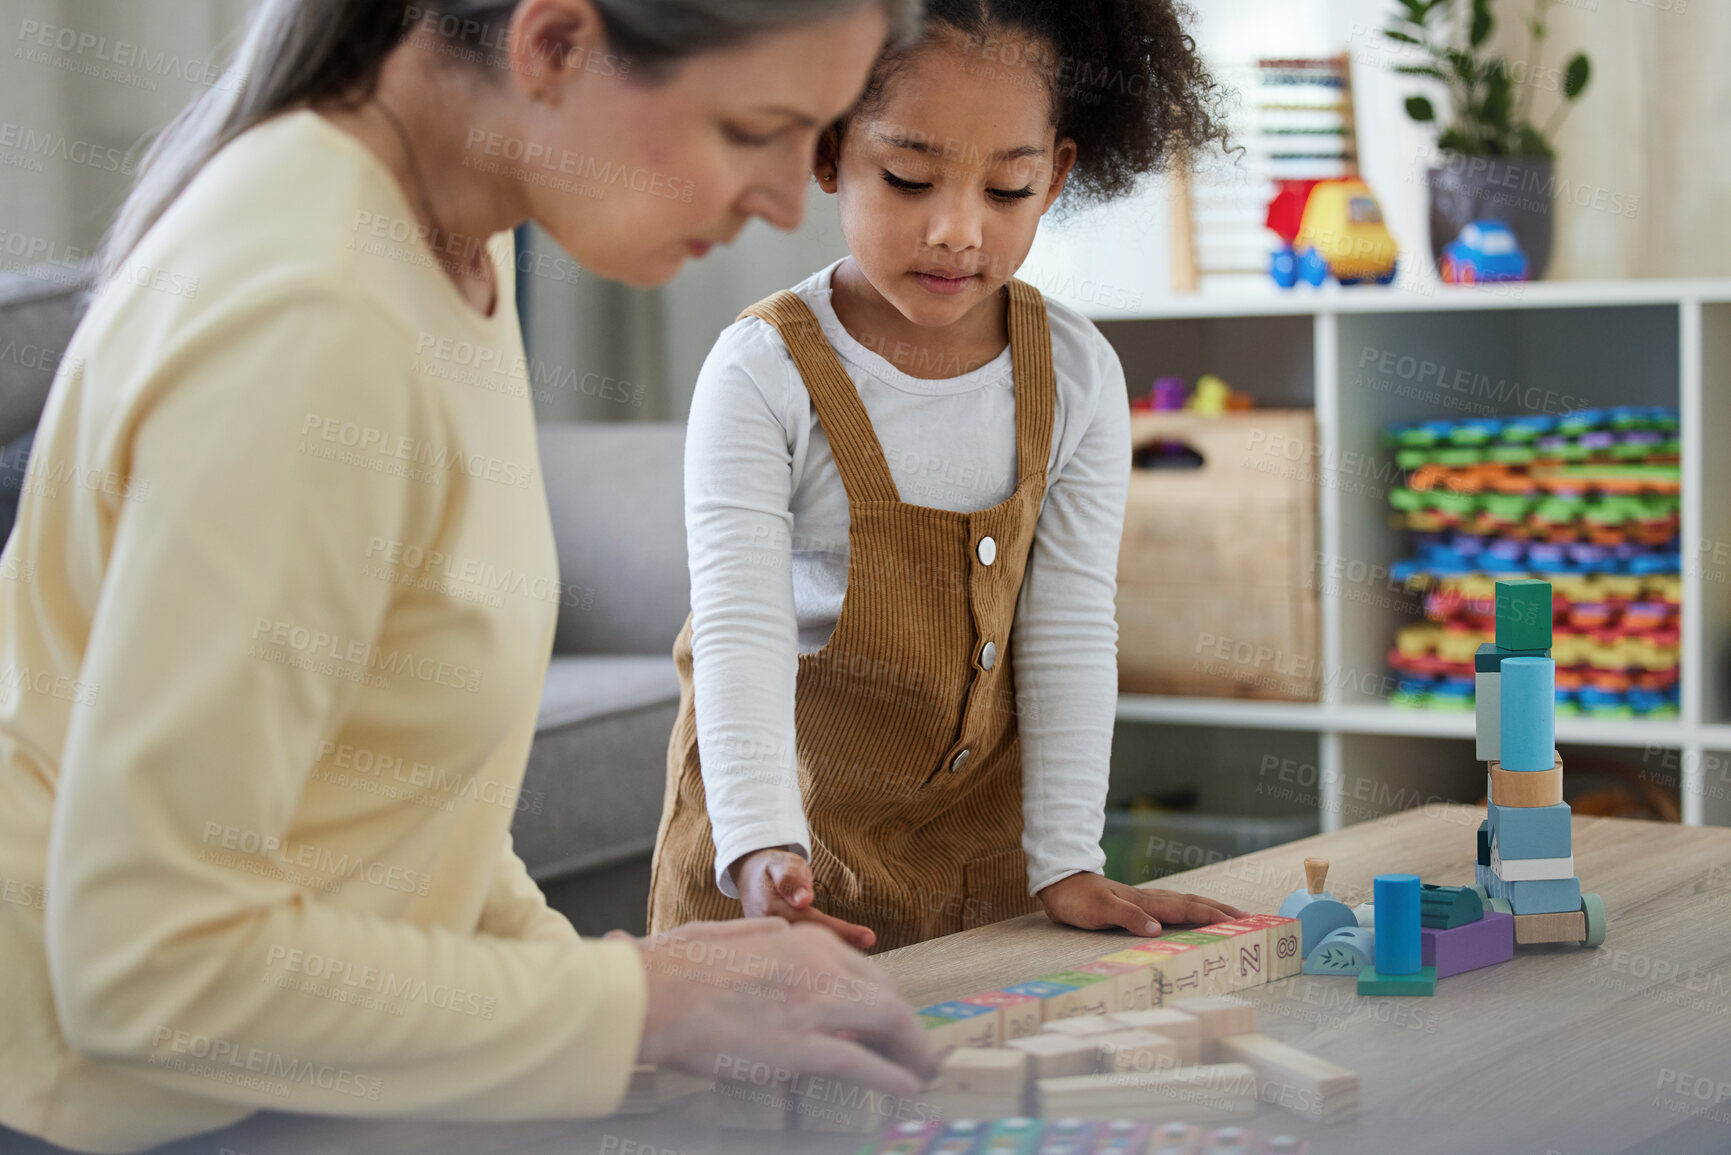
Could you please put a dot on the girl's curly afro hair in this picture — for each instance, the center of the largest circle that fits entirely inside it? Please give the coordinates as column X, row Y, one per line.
column 1126, row 81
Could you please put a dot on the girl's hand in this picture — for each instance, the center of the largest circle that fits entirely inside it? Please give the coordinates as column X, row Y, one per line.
column 777, row 884
column 1093, row 902
column 709, row 1011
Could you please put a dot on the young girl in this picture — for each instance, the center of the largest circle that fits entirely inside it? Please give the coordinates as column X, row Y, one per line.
column 905, row 488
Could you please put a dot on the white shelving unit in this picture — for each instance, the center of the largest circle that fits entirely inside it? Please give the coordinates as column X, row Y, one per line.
column 1562, row 345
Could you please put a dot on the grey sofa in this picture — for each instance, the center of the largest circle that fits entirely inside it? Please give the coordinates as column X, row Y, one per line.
column 592, row 793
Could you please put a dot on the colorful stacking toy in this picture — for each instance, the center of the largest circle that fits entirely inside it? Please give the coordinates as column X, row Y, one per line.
column 1525, row 861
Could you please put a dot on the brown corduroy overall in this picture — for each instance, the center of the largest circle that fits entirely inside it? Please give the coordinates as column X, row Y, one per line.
column 909, row 762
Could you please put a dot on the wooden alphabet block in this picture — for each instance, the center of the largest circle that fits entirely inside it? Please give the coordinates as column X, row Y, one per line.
column 1088, row 995
column 1134, row 1050
column 1219, row 1016
column 1246, row 955
column 1018, row 1015
column 1295, row 1079
column 1051, row 1054
column 1283, row 958
column 1196, row 1094
column 985, row 1071
column 1177, row 967
column 1184, row 1030
column 1042, row 993
column 1212, row 955
column 1081, row 1026
column 1132, row 983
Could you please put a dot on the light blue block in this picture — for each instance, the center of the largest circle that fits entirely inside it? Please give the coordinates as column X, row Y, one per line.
column 1527, row 734
column 1531, row 831
column 1396, row 897
column 1344, row 952
column 1487, row 715
column 1546, row 896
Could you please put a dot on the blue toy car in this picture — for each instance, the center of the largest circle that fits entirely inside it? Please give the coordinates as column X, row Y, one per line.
column 1486, row 250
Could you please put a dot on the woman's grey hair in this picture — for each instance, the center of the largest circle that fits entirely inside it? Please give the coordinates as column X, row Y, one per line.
column 321, row 52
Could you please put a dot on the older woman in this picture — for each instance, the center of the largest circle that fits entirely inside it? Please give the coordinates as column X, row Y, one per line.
column 247, row 448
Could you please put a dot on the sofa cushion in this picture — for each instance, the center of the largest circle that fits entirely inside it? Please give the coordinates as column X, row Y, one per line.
column 593, row 788
column 615, row 492
column 40, row 308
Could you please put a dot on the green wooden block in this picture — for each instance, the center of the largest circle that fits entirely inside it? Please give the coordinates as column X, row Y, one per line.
column 1523, row 614
column 1446, row 907
column 1421, row 983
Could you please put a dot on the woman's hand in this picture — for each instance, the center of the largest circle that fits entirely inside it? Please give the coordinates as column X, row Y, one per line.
column 1093, row 902
column 777, row 884
column 724, row 996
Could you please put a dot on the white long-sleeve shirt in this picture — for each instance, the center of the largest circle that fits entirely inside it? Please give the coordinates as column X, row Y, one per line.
column 262, row 722
column 767, row 527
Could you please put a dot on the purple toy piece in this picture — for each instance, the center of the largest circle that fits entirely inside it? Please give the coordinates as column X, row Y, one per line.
column 1168, row 393
column 1484, row 943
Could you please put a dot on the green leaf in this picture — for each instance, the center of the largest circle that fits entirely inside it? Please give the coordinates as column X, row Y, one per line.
column 1453, row 141
column 1404, row 38
column 1529, row 141
column 1419, row 108
column 1414, row 9
column 1482, row 22
column 1576, row 75
column 1463, row 65
column 1429, row 70
column 1499, row 97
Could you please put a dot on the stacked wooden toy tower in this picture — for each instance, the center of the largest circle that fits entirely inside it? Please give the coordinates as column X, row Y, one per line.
column 1526, row 862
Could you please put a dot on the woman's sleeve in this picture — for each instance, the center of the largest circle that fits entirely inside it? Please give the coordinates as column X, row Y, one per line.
column 744, row 637
column 516, row 908
column 167, row 952
column 1066, row 639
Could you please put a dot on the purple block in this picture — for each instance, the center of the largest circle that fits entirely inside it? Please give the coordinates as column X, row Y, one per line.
column 1484, row 943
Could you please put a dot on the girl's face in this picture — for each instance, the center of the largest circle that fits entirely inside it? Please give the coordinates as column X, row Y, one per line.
column 633, row 178
column 942, row 185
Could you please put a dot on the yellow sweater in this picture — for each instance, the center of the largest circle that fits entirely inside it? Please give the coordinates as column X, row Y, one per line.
column 273, row 628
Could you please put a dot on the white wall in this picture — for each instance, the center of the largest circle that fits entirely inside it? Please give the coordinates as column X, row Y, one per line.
column 1654, row 133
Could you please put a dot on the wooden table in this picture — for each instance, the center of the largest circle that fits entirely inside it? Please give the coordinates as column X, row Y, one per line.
column 1565, row 1050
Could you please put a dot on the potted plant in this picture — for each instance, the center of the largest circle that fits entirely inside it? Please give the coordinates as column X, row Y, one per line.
column 1494, row 160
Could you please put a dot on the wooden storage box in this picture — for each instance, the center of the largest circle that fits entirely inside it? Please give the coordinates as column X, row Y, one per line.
column 1216, row 589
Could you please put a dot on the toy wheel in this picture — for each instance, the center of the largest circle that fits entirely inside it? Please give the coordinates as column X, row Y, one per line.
column 1388, row 277
column 1594, row 908
column 1500, row 904
column 1469, row 275
column 1283, row 267
column 1312, row 268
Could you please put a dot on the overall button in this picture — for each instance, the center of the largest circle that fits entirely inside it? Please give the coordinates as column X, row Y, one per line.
column 988, row 551
column 959, row 761
column 988, row 655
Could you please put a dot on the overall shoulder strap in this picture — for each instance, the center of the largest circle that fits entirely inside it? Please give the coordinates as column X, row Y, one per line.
column 859, row 457
column 1036, row 381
